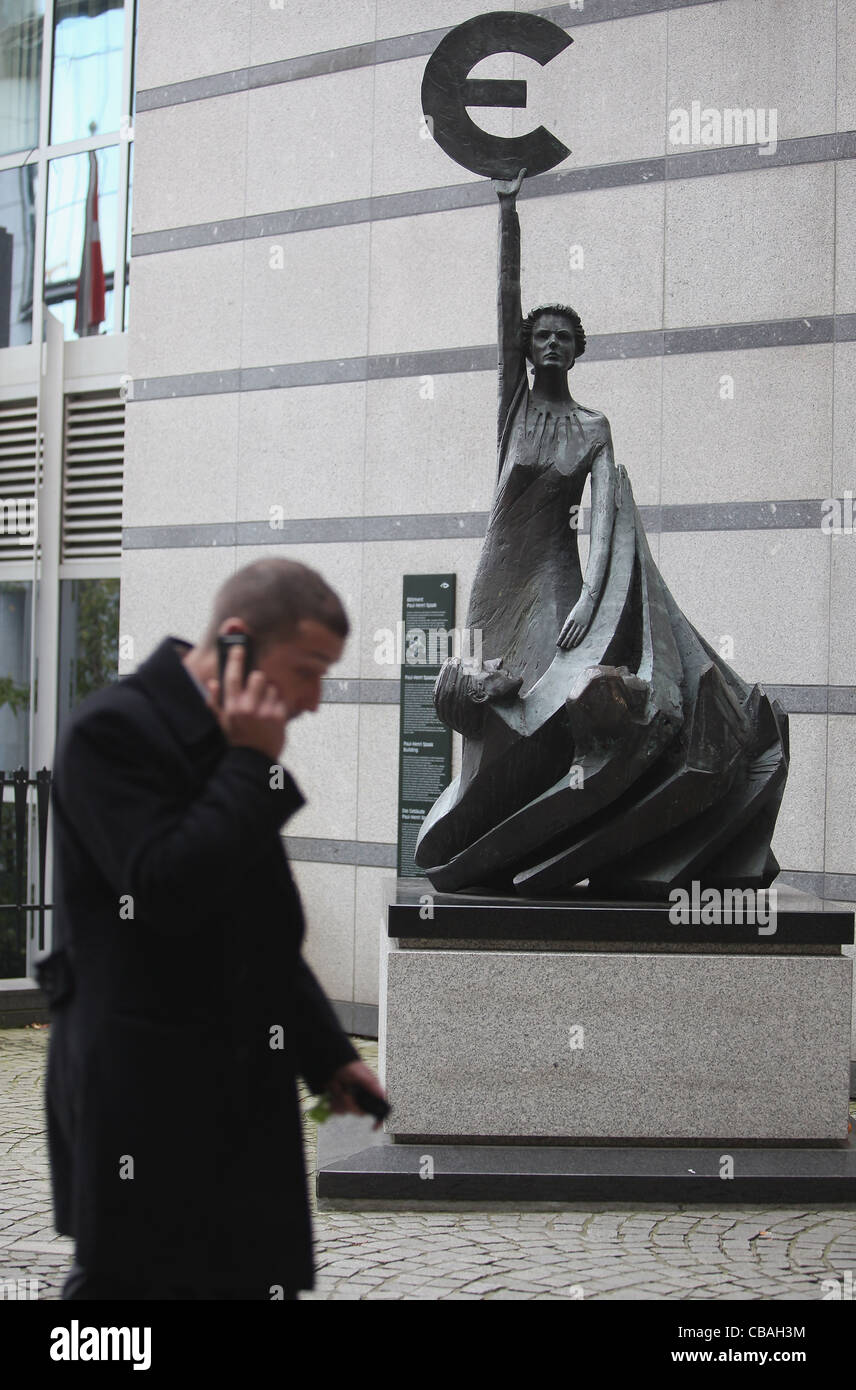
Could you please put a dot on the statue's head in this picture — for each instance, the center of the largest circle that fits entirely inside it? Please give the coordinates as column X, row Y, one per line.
column 462, row 691
column 553, row 336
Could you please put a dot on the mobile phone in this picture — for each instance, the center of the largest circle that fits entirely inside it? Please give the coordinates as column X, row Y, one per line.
column 225, row 645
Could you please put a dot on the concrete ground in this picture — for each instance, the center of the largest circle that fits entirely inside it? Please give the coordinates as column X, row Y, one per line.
column 574, row 1250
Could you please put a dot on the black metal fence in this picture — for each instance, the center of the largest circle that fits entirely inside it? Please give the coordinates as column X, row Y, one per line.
column 15, row 911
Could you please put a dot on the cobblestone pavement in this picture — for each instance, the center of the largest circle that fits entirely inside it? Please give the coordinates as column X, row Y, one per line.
column 574, row 1250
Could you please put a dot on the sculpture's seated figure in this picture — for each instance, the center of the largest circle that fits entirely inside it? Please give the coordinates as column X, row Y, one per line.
column 604, row 740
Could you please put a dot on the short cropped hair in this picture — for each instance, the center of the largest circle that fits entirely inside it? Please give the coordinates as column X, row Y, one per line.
column 567, row 312
column 273, row 596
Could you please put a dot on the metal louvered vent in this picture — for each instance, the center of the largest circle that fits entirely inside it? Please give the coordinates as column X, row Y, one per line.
column 19, row 458
column 93, row 452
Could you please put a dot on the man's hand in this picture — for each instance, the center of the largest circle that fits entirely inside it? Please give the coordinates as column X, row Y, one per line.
column 251, row 715
column 353, row 1073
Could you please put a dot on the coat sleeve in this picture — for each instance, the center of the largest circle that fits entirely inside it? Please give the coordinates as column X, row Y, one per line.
column 322, row 1045
column 179, row 861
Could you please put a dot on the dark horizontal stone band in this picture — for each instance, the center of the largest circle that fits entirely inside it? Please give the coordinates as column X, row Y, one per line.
column 390, row 50
column 795, row 699
column 801, row 514
column 603, row 347
column 733, row 159
column 366, row 852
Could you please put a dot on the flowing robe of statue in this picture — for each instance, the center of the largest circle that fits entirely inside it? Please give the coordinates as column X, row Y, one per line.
column 632, row 757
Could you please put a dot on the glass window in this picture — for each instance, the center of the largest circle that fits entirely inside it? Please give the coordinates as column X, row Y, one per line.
column 89, row 37
column 21, row 23
column 15, row 619
column 88, row 640
column 80, row 253
column 17, row 252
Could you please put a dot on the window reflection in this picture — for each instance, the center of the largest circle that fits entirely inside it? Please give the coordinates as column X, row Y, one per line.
column 88, row 640
column 68, row 271
column 17, row 251
column 15, row 619
column 20, row 73
column 89, row 38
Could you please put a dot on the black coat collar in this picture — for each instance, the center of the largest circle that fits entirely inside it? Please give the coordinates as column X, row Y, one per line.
column 170, row 687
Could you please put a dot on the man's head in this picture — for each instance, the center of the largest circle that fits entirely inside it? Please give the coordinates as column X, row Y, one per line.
column 553, row 336
column 296, row 621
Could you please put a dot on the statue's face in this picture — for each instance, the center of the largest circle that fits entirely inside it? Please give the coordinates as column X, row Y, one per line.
column 552, row 342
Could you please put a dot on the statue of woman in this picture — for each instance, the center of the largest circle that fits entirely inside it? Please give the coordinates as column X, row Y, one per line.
column 604, row 740
column 528, row 595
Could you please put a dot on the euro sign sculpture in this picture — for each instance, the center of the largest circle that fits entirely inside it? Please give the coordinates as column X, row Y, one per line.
column 448, row 89
column 607, row 747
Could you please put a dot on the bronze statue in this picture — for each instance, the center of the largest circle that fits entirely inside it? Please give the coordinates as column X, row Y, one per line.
column 604, row 740
column 548, row 445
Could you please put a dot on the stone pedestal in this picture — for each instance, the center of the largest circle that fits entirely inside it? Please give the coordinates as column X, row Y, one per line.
column 576, row 1049
column 580, row 1022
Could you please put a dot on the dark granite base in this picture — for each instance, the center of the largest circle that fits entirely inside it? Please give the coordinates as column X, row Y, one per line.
column 477, row 919
column 358, row 1164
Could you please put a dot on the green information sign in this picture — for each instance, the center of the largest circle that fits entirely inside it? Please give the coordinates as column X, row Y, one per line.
column 425, row 745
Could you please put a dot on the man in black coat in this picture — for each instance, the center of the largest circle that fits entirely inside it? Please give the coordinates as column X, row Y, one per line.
column 182, row 1009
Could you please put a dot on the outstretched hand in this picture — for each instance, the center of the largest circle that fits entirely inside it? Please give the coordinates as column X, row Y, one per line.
column 509, row 188
column 577, row 623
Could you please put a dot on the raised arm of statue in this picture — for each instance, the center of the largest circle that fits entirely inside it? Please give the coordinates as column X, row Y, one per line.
column 509, row 312
column 578, row 621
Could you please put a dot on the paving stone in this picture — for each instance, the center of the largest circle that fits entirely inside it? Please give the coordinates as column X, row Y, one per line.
column 485, row 1285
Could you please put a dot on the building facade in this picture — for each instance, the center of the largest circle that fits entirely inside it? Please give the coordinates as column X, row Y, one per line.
column 311, row 360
